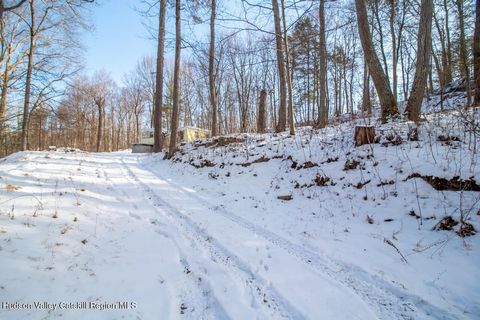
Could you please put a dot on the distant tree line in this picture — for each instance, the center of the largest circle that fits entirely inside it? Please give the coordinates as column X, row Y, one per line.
column 309, row 62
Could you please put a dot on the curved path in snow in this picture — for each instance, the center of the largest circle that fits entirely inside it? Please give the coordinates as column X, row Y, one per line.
column 290, row 280
column 180, row 256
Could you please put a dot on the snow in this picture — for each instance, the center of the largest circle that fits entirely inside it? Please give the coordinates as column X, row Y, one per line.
column 204, row 236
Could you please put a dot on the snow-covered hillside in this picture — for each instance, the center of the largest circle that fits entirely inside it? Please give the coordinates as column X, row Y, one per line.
column 249, row 227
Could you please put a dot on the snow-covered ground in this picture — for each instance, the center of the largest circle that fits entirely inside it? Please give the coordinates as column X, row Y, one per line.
column 206, row 236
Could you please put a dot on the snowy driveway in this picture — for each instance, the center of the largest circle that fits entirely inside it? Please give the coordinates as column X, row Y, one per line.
column 106, row 230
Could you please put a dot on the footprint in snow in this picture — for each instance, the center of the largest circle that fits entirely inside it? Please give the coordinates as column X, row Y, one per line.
column 135, row 216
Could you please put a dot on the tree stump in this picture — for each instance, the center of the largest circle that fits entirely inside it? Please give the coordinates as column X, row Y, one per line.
column 364, row 135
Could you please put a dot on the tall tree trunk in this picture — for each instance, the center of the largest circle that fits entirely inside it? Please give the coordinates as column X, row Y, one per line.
column 282, row 110
column 176, row 81
column 157, row 113
column 394, row 47
column 441, row 71
column 137, row 128
column 291, row 116
column 464, row 68
column 476, row 53
column 211, row 68
column 387, row 100
column 448, row 70
column 307, row 86
column 422, row 68
column 100, row 103
column 28, row 79
column 322, row 77
column 3, row 96
column 262, row 112
column 376, row 14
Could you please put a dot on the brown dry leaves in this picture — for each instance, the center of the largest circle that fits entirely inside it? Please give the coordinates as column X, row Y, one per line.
column 10, row 187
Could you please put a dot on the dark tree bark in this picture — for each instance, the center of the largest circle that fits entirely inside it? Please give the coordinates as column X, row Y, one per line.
column 476, row 53
column 282, row 110
column 10, row 47
column 3, row 96
column 100, row 103
column 157, row 113
column 28, row 78
column 366, row 101
column 387, row 100
column 422, row 68
column 176, row 81
column 291, row 114
column 262, row 112
column 448, row 61
column 394, row 45
column 211, row 68
column 322, row 77
column 464, row 61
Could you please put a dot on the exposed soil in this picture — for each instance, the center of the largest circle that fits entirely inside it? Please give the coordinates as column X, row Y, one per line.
column 443, row 138
column 466, row 230
column 203, row 164
column 351, row 164
column 447, row 223
column 360, row 184
column 442, row 184
column 259, row 160
column 307, row 165
column 385, row 183
column 220, row 142
column 321, row 181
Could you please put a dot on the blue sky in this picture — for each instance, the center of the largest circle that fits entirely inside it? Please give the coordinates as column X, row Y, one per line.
column 119, row 39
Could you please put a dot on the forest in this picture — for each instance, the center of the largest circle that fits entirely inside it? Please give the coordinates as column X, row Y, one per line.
column 231, row 67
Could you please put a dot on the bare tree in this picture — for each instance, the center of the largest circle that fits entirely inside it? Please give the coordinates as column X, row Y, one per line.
column 145, row 71
column 52, row 27
column 136, row 100
column 463, row 54
column 262, row 110
column 282, row 110
column 476, row 53
column 387, row 100
column 176, row 81
column 100, row 90
column 211, row 67
column 12, row 39
column 157, row 122
column 33, row 29
column 424, row 50
column 322, row 76
column 366, row 101
column 100, row 103
column 12, row 7
column 291, row 116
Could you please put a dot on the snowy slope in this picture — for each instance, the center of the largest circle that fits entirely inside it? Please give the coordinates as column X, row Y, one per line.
column 205, row 236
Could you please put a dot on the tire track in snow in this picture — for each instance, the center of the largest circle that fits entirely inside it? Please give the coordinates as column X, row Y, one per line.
column 210, row 306
column 268, row 297
column 387, row 300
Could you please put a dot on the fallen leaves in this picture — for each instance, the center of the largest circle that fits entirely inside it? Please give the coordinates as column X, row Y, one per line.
column 10, row 187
